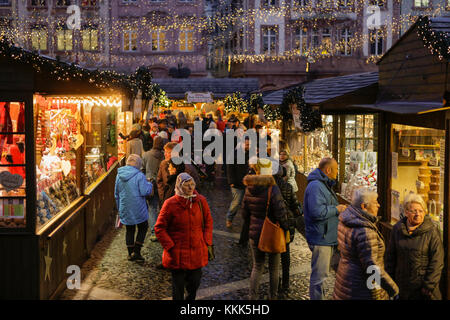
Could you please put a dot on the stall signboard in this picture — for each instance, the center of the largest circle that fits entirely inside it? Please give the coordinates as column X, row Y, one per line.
column 193, row 97
column 296, row 116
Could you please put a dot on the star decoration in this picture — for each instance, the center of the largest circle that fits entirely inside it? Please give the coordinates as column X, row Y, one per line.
column 64, row 247
column 48, row 263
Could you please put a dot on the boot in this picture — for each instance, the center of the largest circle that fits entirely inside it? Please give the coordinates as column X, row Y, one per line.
column 136, row 255
column 130, row 252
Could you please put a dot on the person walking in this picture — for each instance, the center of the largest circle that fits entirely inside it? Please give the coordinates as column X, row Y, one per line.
column 134, row 144
column 151, row 162
column 294, row 211
column 147, row 140
column 321, row 210
column 256, row 204
column 130, row 192
column 362, row 248
column 415, row 255
column 286, row 162
column 184, row 229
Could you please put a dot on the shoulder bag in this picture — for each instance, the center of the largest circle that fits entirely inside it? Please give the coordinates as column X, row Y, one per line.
column 272, row 238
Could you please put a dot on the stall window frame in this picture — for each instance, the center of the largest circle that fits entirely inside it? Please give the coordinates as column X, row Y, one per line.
column 30, row 173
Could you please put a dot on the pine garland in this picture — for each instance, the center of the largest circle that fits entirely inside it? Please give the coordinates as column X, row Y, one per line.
column 235, row 103
column 436, row 41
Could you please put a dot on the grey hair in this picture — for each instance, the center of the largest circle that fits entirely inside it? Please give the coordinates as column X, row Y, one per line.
column 414, row 198
column 135, row 161
column 362, row 195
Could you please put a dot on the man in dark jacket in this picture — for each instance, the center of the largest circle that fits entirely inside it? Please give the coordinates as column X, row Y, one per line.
column 321, row 210
column 235, row 174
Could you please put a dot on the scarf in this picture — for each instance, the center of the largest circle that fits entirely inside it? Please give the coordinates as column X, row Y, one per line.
column 181, row 179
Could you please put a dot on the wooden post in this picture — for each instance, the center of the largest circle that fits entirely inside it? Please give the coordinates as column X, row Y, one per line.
column 305, row 153
column 446, row 238
column 341, row 155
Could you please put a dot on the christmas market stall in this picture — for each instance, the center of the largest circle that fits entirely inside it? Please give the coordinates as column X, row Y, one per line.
column 413, row 100
column 59, row 158
column 317, row 123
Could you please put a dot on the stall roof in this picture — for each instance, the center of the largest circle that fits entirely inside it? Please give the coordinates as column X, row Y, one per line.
column 402, row 107
column 321, row 90
column 219, row 87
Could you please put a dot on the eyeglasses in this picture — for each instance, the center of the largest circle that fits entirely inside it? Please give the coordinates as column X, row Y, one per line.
column 415, row 211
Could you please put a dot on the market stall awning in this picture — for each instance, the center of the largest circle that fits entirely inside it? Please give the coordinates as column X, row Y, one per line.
column 402, row 107
column 219, row 87
column 321, row 90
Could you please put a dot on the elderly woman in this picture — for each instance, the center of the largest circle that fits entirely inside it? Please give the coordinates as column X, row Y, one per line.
column 415, row 256
column 131, row 190
column 184, row 229
column 362, row 252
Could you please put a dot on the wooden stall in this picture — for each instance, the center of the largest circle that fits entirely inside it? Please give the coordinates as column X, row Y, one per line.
column 58, row 165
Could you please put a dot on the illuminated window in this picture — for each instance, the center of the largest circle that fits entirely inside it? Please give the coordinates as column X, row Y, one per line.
column 130, row 40
column 39, row 39
column 345, row 39
column 64, row 39
column 158, row 40
column 90, row 39
column 315, row 38
column 421, row 3
column 269, row 40
column 89, row 3
column 61, row 3
column 301, row 41
column 186, row 39
column 326, row 41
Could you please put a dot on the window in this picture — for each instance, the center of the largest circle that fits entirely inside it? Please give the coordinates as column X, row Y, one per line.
column 89, row 3
column 344, row 42
column 303, row 3
column 186, row 39
column 64, row 39
column 61, row 3
column 5, row 2
column 38, row 38
column 380, row 3
column 326, row 41
column 38, row 3
column 376, row 42
column 90, row 39
column 130, row 40
column 269, row 3
column 269, row 40
column 421, row 3
column 12, row 165
column 158, row 40
column 315, row 39
column 186, row 0
column 344, row 3
column 301, row 41
column 128, row 1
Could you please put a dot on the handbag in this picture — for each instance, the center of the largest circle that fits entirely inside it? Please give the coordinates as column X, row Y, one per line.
column 211, row 254
column 272, row 238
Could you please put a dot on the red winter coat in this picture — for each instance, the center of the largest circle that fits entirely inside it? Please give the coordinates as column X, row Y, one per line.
column 179, row 231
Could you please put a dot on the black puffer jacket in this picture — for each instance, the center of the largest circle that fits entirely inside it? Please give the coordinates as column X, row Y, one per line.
column 415, row 261
column 255, row 201
column 291, row 201
column 236, row 172
column 361, row 246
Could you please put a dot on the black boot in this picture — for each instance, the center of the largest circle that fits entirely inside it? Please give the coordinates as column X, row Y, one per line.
column 130, row 252
column 137, row 253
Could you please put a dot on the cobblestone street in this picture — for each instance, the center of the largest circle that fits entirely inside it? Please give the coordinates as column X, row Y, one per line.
column 107, row 274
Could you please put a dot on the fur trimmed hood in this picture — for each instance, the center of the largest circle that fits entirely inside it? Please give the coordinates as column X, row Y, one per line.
column 253, row 180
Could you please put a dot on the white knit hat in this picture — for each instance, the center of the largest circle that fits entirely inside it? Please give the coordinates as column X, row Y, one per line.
column 265, row 167
column 163, row 134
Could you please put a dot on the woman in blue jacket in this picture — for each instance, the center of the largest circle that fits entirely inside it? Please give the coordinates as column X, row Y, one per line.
column 130, row 191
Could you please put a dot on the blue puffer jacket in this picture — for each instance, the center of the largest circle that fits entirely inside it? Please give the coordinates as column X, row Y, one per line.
column 319, row 207
column 131, row 189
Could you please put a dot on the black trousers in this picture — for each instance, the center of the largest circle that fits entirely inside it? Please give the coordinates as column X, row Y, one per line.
column 189, row 279
column 285, row 264
column 142, row 232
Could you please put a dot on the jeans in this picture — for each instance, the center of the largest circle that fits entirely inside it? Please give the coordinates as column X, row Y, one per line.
column 153, row 211
column 257, row 270
column 185, row 278
column 142, row 231
column 320, row 268
column 238, row 195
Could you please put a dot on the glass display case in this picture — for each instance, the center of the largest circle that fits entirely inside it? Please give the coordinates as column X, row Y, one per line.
column 12, row 165
column 418, row 165
column 124, row 126
column 57, row 127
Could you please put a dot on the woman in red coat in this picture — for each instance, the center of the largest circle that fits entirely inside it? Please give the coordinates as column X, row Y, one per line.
column 184, row 229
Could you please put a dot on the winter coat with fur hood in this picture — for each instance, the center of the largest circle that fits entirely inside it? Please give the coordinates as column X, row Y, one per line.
column 362, row 248
column 183, row 233
column 416, row 260
column 255, row 201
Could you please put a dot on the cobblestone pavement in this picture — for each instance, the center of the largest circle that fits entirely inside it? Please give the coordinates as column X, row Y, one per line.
column 107, row 274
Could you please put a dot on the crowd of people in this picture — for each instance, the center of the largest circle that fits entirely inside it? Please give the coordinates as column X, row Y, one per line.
column 163, row 197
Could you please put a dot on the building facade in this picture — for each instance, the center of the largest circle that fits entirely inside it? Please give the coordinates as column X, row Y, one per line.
column 410, row 9
column 113, row 34
column 288, row 41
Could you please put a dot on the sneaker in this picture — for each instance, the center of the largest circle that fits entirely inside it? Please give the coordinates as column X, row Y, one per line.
column 130, row 257
column 229, row 224
column 153, row 238
column 137, row 257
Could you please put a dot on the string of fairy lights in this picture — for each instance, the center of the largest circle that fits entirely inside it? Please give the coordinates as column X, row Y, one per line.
column 219, row 28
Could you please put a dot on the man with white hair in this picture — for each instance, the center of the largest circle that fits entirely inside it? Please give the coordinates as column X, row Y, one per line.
column 130, row 192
